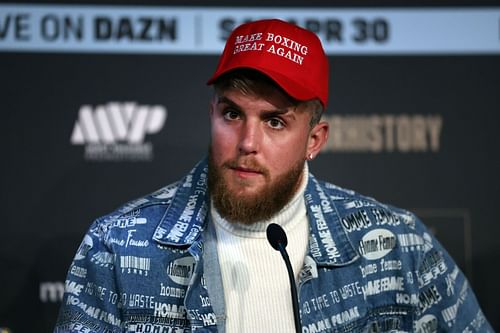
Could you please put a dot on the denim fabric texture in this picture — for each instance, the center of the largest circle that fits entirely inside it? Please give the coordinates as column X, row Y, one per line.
column 151, row 266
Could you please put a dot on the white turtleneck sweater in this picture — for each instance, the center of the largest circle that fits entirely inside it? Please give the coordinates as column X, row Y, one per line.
column 254, row 275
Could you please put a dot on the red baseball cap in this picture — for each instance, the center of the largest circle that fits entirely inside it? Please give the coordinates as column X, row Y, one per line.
column 291, row 56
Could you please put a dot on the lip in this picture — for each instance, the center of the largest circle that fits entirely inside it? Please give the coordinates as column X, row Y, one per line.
column 246, row 172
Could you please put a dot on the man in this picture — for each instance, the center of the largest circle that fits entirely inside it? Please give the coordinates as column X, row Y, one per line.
column 193, row 256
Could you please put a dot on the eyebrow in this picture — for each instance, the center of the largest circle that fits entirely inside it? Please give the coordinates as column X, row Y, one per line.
column 225, row 100
column 267, row 113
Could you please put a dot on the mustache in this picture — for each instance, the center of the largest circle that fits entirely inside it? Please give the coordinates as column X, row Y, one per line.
column 247, row 163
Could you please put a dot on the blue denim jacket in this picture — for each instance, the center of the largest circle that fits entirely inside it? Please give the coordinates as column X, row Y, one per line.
column 151, row 266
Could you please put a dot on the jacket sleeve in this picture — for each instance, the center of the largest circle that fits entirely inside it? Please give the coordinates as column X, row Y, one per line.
column 446, row 301
column 91, row 301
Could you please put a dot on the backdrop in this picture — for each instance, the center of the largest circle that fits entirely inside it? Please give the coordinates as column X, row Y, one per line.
column 102, row 104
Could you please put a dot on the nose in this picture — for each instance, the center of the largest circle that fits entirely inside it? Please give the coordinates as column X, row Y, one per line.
column 250, row 138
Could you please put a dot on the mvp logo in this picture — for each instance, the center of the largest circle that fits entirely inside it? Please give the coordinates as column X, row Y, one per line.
column 116, row 131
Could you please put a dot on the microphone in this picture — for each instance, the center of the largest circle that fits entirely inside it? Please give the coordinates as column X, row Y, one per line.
column 277, row 238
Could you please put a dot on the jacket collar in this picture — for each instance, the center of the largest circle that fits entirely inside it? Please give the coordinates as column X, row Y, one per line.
column 328, row 241
column 185, row 218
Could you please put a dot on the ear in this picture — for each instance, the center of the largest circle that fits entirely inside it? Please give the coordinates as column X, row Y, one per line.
column 317, row 138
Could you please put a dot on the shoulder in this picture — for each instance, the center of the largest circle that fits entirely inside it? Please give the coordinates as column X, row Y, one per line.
column 359, row 211
column 376, row 228
column 142, row 215
column 155, row 216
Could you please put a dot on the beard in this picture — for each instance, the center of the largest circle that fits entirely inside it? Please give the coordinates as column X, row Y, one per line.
column 238, row 207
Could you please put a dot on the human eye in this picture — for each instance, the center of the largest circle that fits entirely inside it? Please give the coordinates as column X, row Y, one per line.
column 230, row 114
column 276, row 123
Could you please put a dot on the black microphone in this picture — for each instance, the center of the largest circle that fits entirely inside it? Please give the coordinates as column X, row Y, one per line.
column 277, row 238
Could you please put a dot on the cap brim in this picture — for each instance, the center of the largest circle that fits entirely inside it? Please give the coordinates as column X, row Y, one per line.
column 293, row 88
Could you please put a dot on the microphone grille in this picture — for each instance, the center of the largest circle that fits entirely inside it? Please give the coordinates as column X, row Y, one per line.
column 276, row 236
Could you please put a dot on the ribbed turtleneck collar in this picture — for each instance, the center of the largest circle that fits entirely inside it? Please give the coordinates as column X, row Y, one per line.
column 287, row 217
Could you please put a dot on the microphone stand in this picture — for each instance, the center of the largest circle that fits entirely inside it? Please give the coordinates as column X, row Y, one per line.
column 293, row 288
column 278, row 240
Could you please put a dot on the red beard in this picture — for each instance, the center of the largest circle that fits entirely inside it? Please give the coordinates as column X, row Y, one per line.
column 251, row 208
